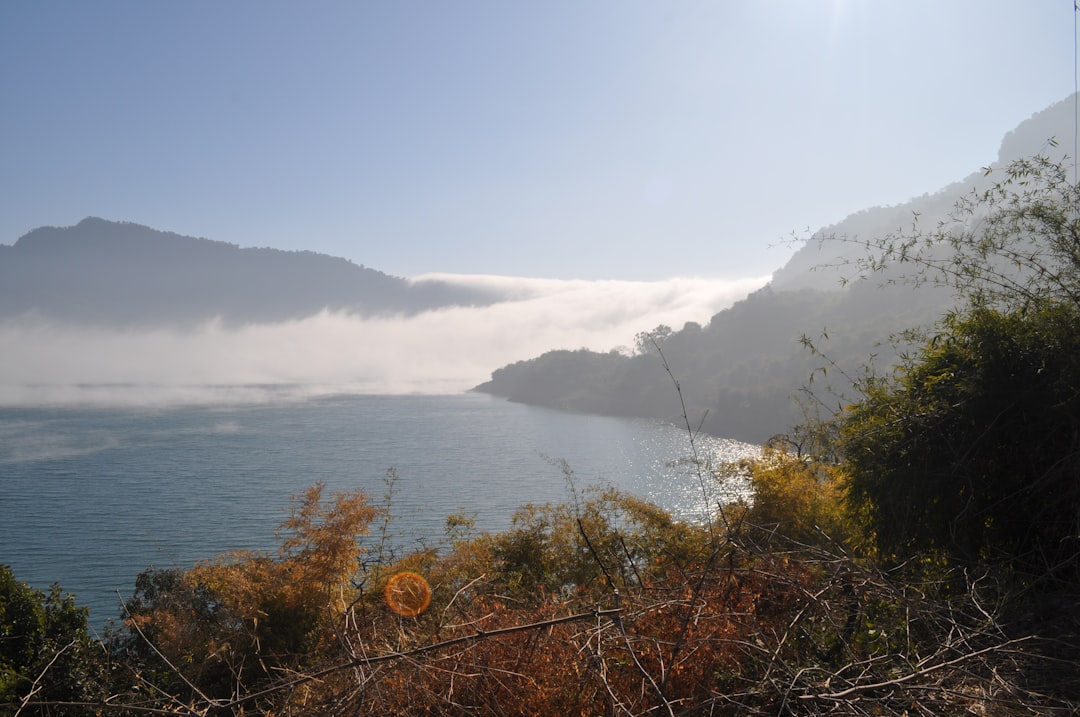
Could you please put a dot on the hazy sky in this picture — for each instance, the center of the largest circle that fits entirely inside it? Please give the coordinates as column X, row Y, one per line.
column 606, row 139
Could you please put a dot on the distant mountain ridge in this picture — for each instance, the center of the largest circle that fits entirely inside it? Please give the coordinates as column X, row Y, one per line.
column 1049, row 132
column 741, row 373
column 118, row 273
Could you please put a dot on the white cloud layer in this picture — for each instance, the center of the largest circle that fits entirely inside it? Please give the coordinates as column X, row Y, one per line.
column 444, row 351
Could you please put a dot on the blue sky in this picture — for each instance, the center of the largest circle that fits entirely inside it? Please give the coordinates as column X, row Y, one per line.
column 623, row 139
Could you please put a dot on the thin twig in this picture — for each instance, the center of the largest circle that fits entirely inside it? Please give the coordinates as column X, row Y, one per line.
column 425, row 649
column 858, row 689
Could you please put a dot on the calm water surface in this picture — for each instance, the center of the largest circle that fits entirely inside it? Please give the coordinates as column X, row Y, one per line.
column 90, row 497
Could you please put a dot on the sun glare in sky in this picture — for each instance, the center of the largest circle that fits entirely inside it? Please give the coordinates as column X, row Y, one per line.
column 601, row 140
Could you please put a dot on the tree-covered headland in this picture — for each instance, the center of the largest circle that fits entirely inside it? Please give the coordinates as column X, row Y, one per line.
column 913, row 551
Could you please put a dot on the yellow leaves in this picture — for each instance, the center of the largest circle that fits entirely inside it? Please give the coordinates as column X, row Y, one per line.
column 321, row 548
column 692, row 612
column 243, row 605
column 802, row 499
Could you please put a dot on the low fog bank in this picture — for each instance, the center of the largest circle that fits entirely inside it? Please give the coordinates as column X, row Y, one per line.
column 443, row 351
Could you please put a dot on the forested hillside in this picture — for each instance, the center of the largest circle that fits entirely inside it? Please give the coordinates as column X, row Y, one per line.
column 738, row 373
column 742, row 370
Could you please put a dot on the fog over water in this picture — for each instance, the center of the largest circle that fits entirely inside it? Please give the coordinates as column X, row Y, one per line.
column 443, row 351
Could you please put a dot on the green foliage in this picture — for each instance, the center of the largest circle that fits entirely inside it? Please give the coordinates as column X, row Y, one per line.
column 969, row 450
column 974, row 450
column 610, row 539
column 45, row 651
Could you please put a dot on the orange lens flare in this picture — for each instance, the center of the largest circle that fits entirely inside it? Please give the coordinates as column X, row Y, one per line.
column 408, row 594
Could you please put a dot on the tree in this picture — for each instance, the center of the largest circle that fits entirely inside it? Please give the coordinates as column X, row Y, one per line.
column 645, row 341
column 796, row 496
column 46, row 654
column 975, row 450
column 972, row 449
column 240, row 618
column 603, row 539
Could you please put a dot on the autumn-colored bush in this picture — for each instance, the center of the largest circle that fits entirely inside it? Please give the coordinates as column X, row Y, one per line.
column 616, row 608
column 236, row 621
column 678, row 641
column 603, row 539
column 797, row 497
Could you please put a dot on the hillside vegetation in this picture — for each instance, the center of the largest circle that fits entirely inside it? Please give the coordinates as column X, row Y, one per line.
column 743, row 368
column 739, row 373
column 915, row 552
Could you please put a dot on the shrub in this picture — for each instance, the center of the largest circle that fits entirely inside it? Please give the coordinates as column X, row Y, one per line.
column 974, row 450
column 240, row 618
column 798, row 498
column 45, row 651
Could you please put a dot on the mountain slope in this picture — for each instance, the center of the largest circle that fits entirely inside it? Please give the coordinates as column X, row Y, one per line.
column 740, row 375
column 820, row 264
column 111, row 273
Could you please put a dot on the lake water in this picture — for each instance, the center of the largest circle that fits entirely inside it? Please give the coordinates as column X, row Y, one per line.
column 89, row 497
